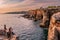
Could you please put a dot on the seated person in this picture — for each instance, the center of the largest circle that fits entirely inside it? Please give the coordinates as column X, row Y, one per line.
column 10, row 33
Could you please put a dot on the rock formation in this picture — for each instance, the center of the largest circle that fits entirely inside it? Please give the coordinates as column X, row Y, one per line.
column 36, row 14
column 54, row 27
column 47, row 16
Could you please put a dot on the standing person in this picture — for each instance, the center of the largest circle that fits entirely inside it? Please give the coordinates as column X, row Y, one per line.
column 5, row 30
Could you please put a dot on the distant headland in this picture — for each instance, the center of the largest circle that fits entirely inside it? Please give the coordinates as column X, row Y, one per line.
column 21, row 12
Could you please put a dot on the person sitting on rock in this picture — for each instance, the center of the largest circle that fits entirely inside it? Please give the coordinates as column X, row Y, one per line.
column 10, row 33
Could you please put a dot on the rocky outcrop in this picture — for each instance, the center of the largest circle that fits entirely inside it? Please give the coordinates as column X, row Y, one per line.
column 42, row 14
column 47, row 16
column 54, row 27
column 36, row 14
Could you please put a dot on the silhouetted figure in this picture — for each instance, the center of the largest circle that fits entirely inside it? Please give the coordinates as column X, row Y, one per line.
column 5, row 30
column 10, row 33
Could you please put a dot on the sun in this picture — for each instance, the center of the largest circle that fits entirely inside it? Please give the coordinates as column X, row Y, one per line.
column 1, row 2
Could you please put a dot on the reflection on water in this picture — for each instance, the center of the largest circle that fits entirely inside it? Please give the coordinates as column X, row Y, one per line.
column 24, row 28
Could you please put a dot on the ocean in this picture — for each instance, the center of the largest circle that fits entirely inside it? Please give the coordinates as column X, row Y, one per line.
column 24, row 28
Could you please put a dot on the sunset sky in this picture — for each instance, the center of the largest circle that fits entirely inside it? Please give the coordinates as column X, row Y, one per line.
column 21, row 5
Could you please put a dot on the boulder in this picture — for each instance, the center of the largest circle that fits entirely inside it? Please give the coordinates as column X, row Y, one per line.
column 54, row 27
column 47, row 17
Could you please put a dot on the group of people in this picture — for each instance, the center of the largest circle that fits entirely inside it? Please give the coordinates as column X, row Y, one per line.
column 8, row 33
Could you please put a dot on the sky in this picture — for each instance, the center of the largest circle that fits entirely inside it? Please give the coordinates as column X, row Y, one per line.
column 22, row 5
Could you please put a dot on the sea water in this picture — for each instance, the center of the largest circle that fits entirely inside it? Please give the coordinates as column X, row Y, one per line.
column 24, row 28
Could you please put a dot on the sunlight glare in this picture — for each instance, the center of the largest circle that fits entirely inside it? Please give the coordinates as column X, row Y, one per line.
column 1, row 2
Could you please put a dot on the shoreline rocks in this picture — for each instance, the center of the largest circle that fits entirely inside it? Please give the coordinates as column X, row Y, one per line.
column 54, row 30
